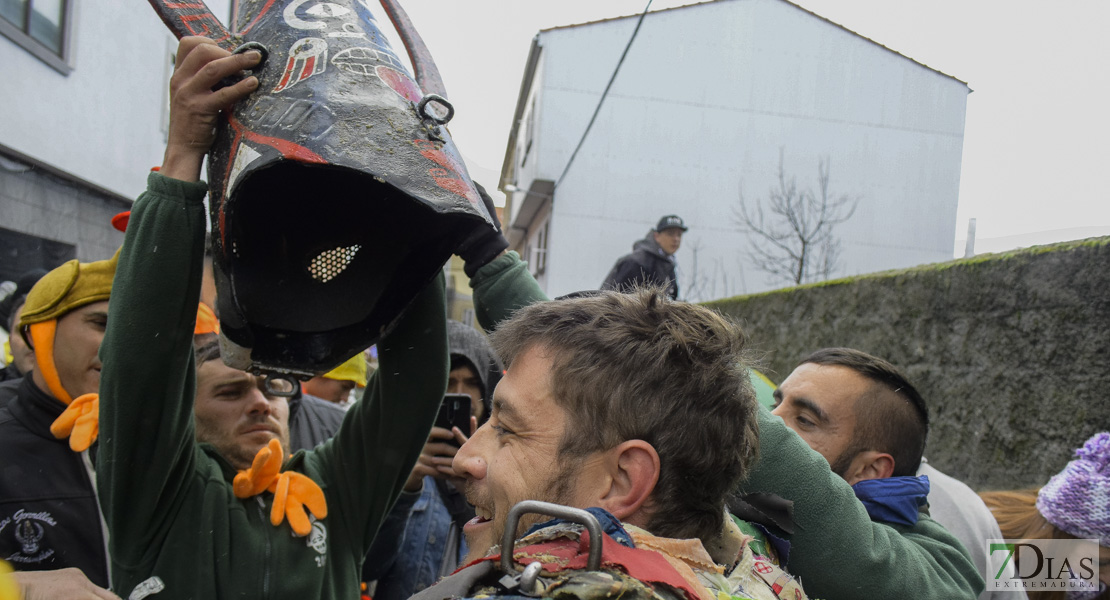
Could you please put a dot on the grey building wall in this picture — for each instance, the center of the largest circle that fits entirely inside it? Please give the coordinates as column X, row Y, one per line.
column 1009, row 350
column 706, row 98
column 36, row 202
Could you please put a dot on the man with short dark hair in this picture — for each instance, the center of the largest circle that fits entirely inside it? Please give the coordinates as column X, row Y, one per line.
column 652, row 261
column 866, row 418
column 233, row 412
column 858, row 411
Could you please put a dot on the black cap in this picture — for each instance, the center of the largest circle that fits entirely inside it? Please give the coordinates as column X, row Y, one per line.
column 671, row 222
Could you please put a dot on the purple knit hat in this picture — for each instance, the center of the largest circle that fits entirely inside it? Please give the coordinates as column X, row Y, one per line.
column 1077, row 499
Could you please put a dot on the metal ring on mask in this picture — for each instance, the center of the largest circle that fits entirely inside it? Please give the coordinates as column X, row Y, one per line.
column 421, row 109
column 576, row 515
column 233, row 79
column 269, row 382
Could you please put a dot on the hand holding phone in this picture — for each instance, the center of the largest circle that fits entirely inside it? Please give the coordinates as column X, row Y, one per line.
column 454, row 412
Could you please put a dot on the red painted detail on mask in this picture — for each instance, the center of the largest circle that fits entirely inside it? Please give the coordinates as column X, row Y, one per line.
column 400, row 83
column 450, row 177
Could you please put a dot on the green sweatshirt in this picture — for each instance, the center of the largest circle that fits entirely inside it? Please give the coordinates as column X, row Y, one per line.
column 837, row 551
column 175, row 524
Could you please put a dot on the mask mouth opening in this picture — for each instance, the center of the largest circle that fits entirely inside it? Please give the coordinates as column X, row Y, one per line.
column 317, row 261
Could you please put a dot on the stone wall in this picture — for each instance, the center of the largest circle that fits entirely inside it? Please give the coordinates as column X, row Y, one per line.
column 1011, row 351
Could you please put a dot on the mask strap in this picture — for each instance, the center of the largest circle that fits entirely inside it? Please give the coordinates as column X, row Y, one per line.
column 42, row 337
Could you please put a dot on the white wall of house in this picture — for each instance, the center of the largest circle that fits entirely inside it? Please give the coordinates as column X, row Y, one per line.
column 104, row 121
column 81, row 131
column 705, row 100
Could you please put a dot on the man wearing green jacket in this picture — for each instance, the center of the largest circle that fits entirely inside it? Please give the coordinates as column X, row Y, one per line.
column 179, row 523
column 836, row 550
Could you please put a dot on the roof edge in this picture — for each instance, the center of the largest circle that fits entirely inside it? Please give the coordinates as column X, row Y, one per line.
column 522, row 98
column 797, row 6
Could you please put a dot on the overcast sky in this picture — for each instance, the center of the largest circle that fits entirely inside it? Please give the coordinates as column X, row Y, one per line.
column 1036, row 145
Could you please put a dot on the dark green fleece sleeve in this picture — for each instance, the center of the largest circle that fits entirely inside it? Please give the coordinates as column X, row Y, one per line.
column 365, row 466
column 501, row 288
column 147, row 382
column 837, row 551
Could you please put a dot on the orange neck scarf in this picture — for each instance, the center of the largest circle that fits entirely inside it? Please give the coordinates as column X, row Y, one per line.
column 292, row 491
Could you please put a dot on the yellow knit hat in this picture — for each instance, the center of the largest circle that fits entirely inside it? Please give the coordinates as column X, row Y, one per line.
column 352, row 370
column 70, row 286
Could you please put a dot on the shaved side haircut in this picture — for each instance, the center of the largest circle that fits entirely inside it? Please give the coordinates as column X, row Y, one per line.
column 891, row 415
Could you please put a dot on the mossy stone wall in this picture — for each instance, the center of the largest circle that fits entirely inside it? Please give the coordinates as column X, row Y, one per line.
column 1011, row 351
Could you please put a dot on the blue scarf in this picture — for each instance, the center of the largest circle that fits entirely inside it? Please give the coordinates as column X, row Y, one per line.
column 894, row 499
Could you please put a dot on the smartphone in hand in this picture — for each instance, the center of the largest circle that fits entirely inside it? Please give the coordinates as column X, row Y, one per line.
column 454, row 412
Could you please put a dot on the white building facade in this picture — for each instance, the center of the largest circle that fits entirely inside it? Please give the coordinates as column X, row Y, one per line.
column 85, row 109
column 707, row 98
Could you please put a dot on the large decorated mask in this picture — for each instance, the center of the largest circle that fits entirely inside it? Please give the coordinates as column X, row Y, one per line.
column 336, row 192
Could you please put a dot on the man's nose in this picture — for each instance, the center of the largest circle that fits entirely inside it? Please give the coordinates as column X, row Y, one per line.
column 259, row 404
column 470, row 461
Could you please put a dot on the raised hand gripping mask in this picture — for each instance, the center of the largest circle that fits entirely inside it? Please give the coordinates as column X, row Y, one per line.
column 335, row 189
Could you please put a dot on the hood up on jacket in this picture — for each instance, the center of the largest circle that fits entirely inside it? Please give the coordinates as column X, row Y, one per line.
column 469, row 343
column 649, row 246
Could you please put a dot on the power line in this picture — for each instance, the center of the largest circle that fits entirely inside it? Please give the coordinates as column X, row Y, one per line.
column 601, row 101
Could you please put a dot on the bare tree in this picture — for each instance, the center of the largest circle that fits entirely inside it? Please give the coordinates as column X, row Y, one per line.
column 694, row 288
column 701, row 283
column 792, row 236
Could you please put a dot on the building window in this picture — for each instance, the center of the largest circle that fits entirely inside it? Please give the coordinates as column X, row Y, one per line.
column 40, row 27
column 529, row 130
column 537, row 254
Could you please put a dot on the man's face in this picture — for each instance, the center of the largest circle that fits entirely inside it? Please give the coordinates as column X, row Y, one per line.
column 332, row 390
column 76, row 342
column 818, row 402
column 515, row 455
column 22, row 356
column 464, row 380
column 233, row 414
column 669, row 239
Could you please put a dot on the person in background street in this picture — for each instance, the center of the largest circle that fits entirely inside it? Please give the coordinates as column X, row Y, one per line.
column 652, row 261
column 51, row 529
column 18, row 357
column 336, row 385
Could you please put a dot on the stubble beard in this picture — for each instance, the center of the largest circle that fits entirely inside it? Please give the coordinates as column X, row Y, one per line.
column 559, row 490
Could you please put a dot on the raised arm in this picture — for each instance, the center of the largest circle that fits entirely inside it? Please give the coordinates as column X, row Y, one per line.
column 148, row 379
column 501, row 287
column 365, row 466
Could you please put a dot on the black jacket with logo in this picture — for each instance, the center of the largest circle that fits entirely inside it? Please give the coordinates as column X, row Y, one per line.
column 646, row 265
column 49, row 517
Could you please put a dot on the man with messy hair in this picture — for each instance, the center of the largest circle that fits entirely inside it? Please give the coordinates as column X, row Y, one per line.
column 543, row 444
column 640, row 410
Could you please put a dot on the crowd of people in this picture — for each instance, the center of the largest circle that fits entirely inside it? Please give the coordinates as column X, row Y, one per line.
column 138, row 464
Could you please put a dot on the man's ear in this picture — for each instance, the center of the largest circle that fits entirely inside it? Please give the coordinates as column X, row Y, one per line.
column 633, row 468
column 870, row 464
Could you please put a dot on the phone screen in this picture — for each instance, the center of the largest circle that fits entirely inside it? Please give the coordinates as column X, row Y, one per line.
column 454, row 412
